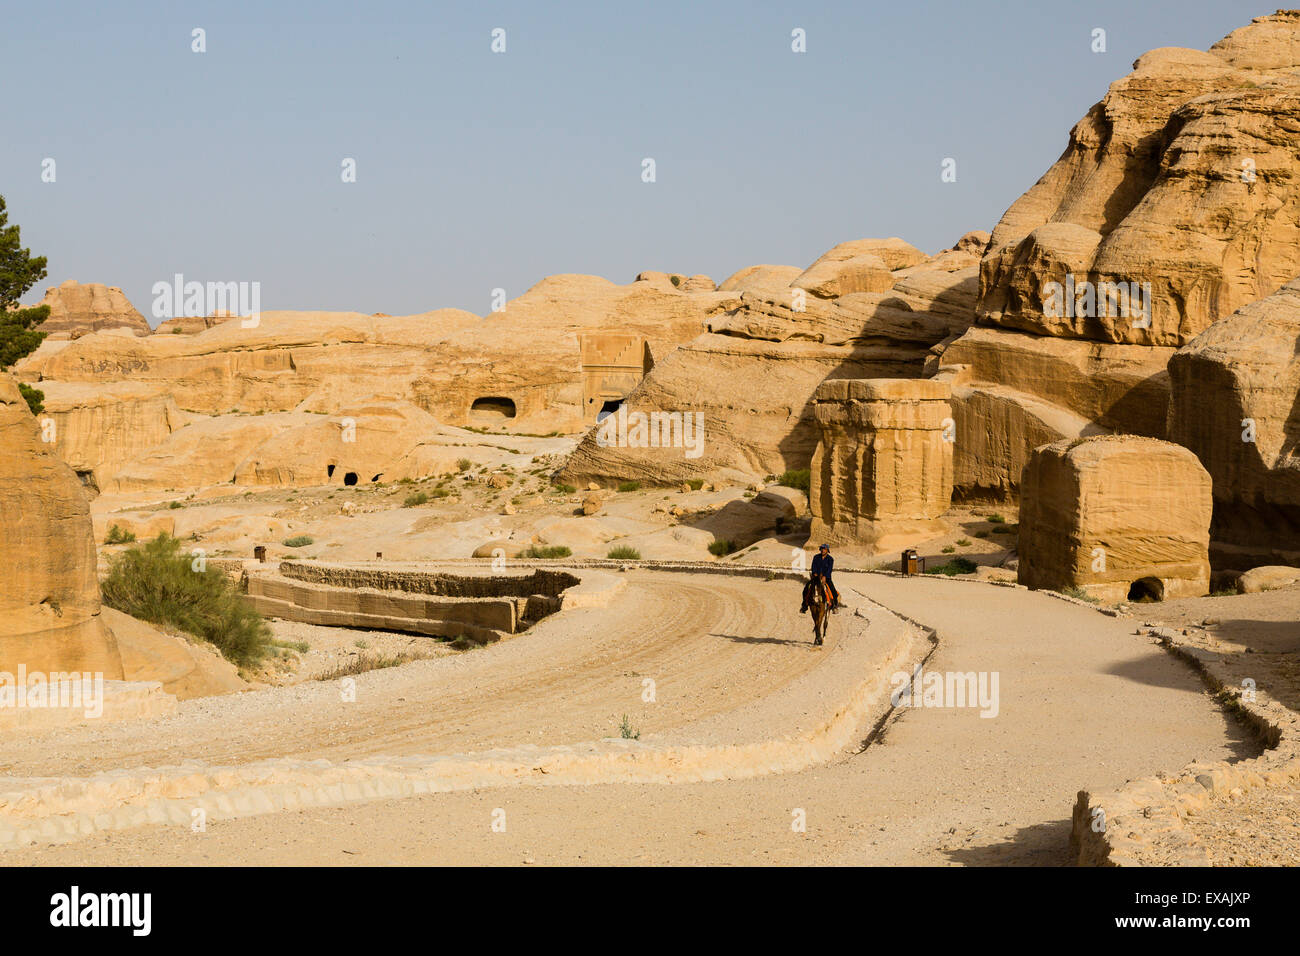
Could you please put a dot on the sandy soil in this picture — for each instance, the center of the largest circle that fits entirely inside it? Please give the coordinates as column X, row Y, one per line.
column 1083, row 702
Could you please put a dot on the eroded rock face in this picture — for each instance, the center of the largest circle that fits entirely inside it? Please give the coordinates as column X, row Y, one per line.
column 522, row 363
column 49, row 600
column 1182, row 179
column 77, row 308
column 883, row 466
column 1121, row 517
column 753, row 374
column 1236, row 404
column 864, row 265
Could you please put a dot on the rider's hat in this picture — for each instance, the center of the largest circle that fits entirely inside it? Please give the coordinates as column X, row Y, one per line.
column 824, row 547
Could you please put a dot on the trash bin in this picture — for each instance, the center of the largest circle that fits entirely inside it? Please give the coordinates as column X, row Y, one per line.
column 911, row 564
column 259, row 553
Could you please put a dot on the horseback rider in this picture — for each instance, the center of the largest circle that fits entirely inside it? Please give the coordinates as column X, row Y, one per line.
column 823, row 564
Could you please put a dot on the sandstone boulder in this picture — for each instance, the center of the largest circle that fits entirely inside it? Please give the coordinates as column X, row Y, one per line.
column 1267, row 578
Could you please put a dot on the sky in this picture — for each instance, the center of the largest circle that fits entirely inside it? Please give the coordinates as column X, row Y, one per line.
column 478, row 170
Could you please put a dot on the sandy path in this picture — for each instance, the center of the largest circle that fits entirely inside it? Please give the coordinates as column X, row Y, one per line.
column 1083, row 702
column 710, row 643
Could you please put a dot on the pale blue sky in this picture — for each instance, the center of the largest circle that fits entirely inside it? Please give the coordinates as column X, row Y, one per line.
column 478, row 170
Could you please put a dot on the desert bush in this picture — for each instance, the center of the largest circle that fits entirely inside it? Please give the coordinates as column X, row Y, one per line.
column 547, row 551
column 695, row 483
column 414, row 500
column 464, row 464
column 798, row 478
column 955, row 566
column 948, row 549
column 367, row 662
column 157, row 582
column 721, row 547
column 624, row 553
column 630, row 486
column 298, row 541
column 118, row 535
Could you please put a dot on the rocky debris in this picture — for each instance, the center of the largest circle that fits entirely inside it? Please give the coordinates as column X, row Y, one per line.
column 50, row 616
column 78, row 308
column 883, row 466
column 1118, row 516
column 591, row 504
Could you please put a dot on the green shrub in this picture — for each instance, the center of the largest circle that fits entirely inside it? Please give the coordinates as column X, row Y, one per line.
column 624, row 553
column 298, row 541
column 414, row 500
column 996, row 519
column 796, row 479
column 157, row 582
column 176, row 504
column 1079, row 594
column 548, row 551
column 721, row 547
column 963, row 542
column 949, row 549
column 695, row 483
column 982, row 533
column 630, row 486
column 565, row 489
column 464, row 464
column 625, row 729
column 118, row 535
column 955, row 566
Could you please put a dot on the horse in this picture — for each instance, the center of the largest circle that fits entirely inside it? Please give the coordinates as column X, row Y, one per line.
column 818, row 607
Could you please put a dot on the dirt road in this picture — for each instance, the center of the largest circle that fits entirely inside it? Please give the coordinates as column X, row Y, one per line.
column 1082, row 702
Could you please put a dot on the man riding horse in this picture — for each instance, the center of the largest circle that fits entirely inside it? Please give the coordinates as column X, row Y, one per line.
column 822, row 566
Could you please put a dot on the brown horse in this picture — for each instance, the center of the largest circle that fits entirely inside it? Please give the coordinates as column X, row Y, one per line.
column 818, row 607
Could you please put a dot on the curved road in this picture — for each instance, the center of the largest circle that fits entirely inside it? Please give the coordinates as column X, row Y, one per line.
column 1083, row 702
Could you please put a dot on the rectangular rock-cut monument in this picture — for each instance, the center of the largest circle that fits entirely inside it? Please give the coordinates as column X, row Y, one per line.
column 882, row 472
column 1118, row 516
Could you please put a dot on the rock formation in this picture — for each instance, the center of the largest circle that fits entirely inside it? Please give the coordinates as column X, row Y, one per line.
column 1236, row 404
column 752, row 375
column 49, row 605
column 1173, row 205
column 883, row 467
column 1120, row 517
column 78, row 308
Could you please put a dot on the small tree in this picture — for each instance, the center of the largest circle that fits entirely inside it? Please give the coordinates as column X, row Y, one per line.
column 19, row 271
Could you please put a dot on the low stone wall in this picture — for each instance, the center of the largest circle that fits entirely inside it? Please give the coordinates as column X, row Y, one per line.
column 480, row 619
column 1142, row 823
column 545, row 581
